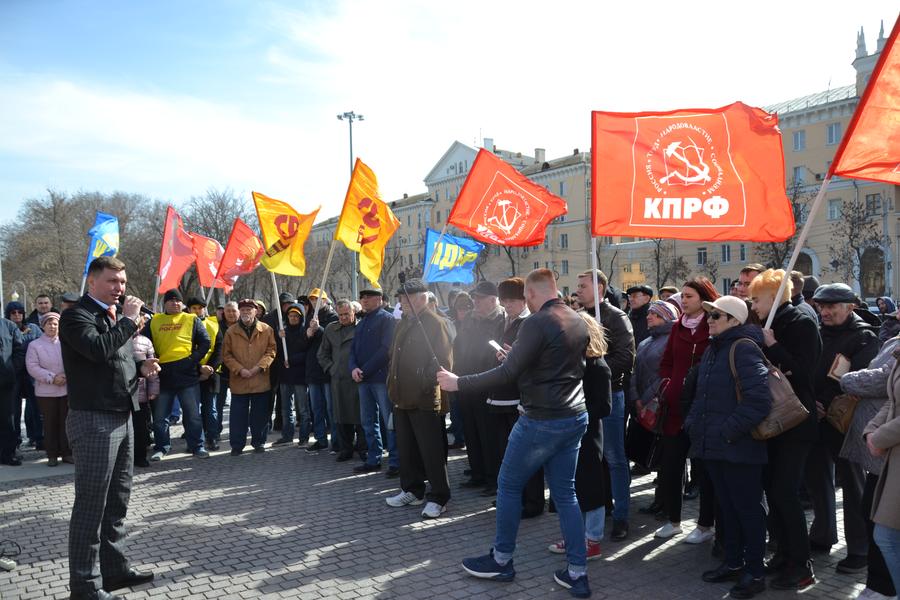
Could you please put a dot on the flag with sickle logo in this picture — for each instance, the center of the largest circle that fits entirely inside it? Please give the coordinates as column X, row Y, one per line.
column 366, row 222
column 284, row 232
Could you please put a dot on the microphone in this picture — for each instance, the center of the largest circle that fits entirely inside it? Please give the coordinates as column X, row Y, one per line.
column 144, row 308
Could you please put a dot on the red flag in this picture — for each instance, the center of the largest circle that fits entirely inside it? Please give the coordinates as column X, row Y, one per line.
column 695, row 174
column 208, row 254
column 499, row 205
column 177, row 252
column 242, row 254
column 871, row 147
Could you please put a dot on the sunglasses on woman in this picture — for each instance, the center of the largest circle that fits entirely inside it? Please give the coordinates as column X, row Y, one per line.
column 715, row 316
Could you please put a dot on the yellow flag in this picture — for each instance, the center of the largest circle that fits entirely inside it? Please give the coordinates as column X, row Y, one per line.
column 284, row 231
column 366, row 222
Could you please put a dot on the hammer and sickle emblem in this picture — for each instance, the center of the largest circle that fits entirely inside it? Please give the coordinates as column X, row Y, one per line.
column 287, row 226
column 370, row 219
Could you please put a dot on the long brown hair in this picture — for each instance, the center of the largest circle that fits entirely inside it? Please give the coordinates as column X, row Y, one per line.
column 704, row 288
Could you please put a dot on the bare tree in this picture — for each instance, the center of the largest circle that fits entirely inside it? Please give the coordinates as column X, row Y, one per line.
column 776, row 254
column 711, row 270
column 668, row 266
column 853, row 233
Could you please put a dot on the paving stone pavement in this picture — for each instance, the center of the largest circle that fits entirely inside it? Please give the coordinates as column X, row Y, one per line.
column 289, row 524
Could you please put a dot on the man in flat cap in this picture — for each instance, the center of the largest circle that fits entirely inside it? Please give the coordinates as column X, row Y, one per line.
column 180, row 341
column 639, row 297
column 848, row 344
column 419, row 407
column 369, row 356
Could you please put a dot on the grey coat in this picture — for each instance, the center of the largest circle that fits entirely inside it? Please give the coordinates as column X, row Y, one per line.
column 871, row 386
column 334, row 356
column 645, row 379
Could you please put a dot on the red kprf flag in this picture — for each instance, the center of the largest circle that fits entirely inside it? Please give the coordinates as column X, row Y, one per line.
column 177, row 252
column 208, row 254
column 871, row 148
column 242, row 254
column 499, row 205
column 697, row 174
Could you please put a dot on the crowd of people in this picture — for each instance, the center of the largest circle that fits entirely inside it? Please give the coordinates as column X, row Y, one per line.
column 540, row 390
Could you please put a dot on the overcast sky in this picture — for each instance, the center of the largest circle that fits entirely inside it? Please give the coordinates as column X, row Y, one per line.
column 171, row 97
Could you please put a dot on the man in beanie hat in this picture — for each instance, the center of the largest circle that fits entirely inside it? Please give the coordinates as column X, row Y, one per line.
column 180, row 341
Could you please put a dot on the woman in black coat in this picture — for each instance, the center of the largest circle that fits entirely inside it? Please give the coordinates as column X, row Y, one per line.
column 794, row 346
column 720, row 426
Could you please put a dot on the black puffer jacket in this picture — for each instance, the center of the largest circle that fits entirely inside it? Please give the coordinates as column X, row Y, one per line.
column 856, row 340
column 314, row 373
column 547, row 362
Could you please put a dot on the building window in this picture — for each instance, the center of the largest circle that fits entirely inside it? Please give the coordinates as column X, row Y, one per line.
column 546, row 264
column 726, row 286
column 565, row 290
column 832, row 133
column 437, row 195
column 565, row 267
column 409, row 220
column 701, row 255
column 401, row 260
column 537, row 264
column 726, row 253
column 546, row 243
column 626, row 268
column 799, row 173
column 873, row 204
column 564, row 240
column 438, row 218
column 743, row 252
column 834, row 209
column 799, row 140
column 410, row 260
column 420, row 220
column 562, row 189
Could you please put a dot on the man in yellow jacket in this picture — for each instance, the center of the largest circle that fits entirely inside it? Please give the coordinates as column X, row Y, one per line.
column 180, row 342
column 248, row 351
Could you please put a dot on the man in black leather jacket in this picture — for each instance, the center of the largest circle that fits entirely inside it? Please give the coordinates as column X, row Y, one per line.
column 547, row 362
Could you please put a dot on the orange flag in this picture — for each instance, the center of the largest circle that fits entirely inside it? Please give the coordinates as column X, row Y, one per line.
column 284, row 232
column 242, row 254
column 366, row 222
column 176, row 254
column 704, row 174
column 208, row 254
column 499, row 205
column 871, row 147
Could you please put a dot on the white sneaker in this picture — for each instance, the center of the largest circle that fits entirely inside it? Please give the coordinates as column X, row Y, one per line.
column 433, row 510
column 698, row 536
column 7, row 564
column 157, row 456
column 404, row 499
column 668, row 530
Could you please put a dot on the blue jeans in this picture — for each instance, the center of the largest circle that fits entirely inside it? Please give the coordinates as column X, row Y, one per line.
column 190, row 407
column 554, row 445
column 595, row 524
column 456, row 421
column 176, row 409
column 208, row 414
column 614, row 453
column 300, row 404
column 323, row 417
column 373, row 401
column 248, row 410
column 888, row 540
column 220, row 408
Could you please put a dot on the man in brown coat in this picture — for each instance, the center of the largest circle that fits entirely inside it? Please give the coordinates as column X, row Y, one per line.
column 418, row 407
column 248, row 351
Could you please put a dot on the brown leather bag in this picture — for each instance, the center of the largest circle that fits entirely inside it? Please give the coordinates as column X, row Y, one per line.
column 787, row 411
column 840, row 411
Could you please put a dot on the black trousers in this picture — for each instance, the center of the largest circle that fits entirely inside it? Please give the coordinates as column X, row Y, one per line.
column 710, row 512
column 671, row 473
column 501, row 425
column 8, row 413
column 475, row 424
column 421, row 447
column 346, row 433
column 141, row 420
column 739, row 491
column 781, row 480
column 878, row 577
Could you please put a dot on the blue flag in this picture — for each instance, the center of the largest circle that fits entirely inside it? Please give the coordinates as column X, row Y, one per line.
column 453, row 260
column 104, row 238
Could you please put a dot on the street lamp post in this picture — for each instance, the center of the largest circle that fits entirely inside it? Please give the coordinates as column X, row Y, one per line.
column 354, row 278
column 15, row 295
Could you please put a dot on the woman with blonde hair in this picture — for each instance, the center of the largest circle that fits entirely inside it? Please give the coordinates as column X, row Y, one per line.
column 794, row 346
column 589, row 480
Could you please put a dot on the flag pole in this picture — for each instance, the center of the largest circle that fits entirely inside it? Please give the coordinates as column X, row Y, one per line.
column 83, row 283
column 801, row 240
column 280, row 319
column 594, row 269
column 210, row 293
column 315, row 314
column 436, row 245
column 156, row 293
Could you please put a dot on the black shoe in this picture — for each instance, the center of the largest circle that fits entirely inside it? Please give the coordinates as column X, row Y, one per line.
column 281, row 442
column 467, row 472
column 527, row 514
column 853, row 564
column 344, row 457
column 691, row 492
column 236, row 451
column 456, row 446
column 174, row 420
column 212, row 445
column 142, row 463
column 619, row 531
column 367, row 468
column 748, row 586
column 259, row 449
column 819, row 548
column 131, row 578
column 795, row 578
column 718, row 550
column 639, row 470
column 654, row 508
column 489, row 492
column 473, row 483
column 776, row 565
column 392, row 472
column 723, row 573
column 12, row 461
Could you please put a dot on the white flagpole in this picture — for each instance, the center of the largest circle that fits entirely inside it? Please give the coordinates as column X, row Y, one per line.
column 83, row 283
column 156, row 295
column 315, row 314
column 594, row 269
column 280, row 319
column 801, row 240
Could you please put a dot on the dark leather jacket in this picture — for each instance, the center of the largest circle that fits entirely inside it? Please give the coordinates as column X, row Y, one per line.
column 547, row 362
column 620, row 339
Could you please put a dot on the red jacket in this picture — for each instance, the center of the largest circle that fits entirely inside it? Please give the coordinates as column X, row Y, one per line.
column 683, row 350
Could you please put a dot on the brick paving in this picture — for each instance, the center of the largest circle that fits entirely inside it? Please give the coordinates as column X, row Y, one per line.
column 288, row 524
